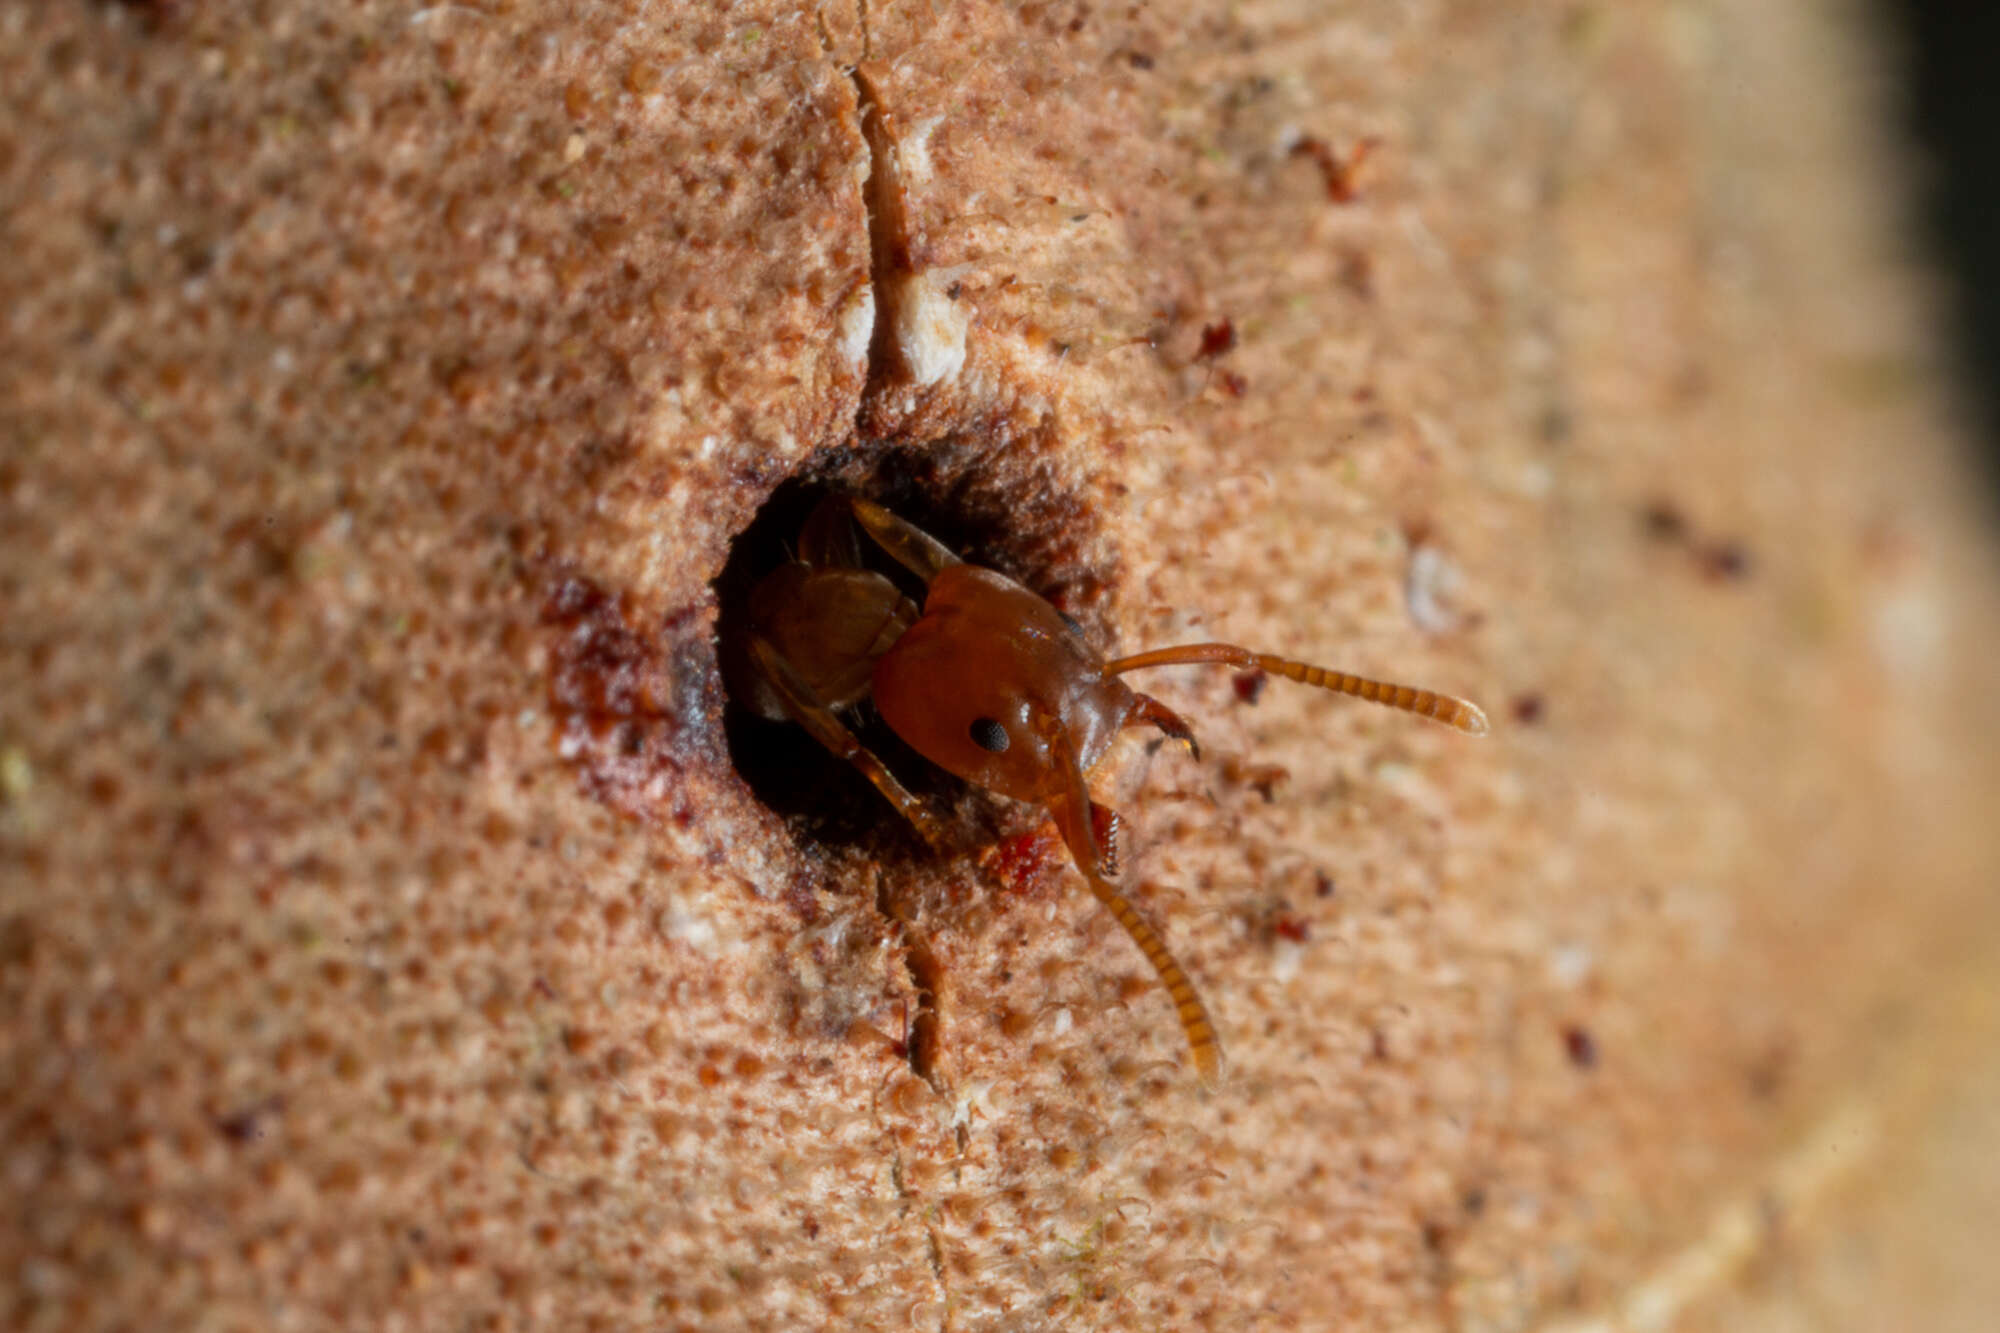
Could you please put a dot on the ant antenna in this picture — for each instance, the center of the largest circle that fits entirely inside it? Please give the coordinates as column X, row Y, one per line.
column 1071, row 809
column 1448, row 709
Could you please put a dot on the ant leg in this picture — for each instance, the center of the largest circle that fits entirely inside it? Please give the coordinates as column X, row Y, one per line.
column 1453, row 712
column 909, row 545
column 828, row 539
column 1151, row 710
column 806, row 709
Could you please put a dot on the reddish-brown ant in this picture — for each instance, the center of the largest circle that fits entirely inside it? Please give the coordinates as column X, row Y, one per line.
column 992, row 683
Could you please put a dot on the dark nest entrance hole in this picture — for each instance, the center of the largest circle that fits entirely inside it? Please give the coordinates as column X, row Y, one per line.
column 993, row 509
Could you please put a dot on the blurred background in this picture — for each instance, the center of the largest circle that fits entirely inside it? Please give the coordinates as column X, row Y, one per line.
column 1952, row 105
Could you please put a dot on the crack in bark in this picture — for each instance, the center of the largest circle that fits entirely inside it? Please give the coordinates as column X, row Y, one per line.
column 920, row 330
column 902, row 341
column 921, row 1039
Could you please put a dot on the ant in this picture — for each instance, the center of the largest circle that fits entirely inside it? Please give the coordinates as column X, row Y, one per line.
column 992, row 683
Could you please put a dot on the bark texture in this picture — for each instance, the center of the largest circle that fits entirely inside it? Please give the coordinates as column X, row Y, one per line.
column 389, row 936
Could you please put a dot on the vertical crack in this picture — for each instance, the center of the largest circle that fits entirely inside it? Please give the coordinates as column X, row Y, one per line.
column 927, row 977
column 919, row 333
column 906, row 338
column 887, row 193
column 933, row 1240
column 937, row 1271
column 917, row 339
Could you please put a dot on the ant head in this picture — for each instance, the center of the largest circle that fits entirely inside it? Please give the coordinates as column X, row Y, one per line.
column 992, row 684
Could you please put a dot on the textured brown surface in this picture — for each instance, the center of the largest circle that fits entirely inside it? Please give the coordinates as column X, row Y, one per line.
column 387, row 941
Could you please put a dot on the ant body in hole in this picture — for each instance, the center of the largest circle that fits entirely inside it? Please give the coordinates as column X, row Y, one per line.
column 992, row 683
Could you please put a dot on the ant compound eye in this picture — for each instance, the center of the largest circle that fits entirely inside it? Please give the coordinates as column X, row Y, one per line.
column 989, row 735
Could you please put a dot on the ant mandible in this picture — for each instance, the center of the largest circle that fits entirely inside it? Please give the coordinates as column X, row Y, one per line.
column 992, row 683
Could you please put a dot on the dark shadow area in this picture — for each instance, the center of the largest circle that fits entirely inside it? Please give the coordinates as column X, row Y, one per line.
column 1952, row 97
